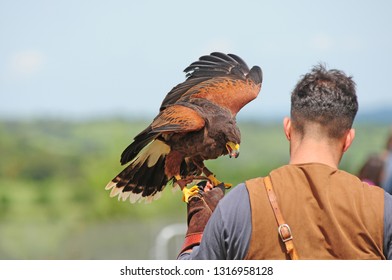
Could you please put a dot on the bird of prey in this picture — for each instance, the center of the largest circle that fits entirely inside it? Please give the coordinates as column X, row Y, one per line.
column 196, row 122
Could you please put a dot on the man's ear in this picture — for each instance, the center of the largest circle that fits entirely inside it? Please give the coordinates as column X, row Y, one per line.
column 349, row 139
column 287, row 127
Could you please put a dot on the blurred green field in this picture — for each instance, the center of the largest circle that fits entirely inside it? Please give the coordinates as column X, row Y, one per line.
column 52, row 177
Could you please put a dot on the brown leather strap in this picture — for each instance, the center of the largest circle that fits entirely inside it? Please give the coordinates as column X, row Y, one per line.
column 283, row 228
column 190, row 241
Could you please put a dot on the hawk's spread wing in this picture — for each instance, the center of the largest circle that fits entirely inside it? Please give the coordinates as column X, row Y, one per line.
column 223, row 79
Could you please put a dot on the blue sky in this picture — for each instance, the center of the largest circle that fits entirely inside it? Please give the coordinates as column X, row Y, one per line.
column 81, row 58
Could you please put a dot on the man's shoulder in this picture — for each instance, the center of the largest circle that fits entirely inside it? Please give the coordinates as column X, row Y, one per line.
column 236, row 194
column 388, row 205
column 235, row 202
column 318, row 170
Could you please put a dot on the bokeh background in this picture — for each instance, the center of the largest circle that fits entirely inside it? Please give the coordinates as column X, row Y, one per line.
column 79, row 79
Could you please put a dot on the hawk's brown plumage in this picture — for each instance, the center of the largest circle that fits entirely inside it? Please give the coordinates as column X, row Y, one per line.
column 196, row 122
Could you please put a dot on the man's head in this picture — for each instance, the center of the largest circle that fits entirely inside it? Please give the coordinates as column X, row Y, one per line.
column 325, row 100
column 323, row 108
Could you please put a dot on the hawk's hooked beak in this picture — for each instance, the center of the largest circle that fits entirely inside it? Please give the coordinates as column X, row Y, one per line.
column 233, row 149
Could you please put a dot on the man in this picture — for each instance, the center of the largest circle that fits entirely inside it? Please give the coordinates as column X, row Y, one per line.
column 331, row 213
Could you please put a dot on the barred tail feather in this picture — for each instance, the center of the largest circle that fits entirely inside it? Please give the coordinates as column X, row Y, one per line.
column 144, row 178
column 142, row 140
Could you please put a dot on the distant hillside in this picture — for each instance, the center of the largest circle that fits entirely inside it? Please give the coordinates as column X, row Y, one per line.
column 381, row 115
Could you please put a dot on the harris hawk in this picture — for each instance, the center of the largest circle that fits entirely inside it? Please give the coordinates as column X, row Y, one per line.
column 196, row 122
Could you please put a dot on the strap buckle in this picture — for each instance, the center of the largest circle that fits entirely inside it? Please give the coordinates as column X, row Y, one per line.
column 285, row 232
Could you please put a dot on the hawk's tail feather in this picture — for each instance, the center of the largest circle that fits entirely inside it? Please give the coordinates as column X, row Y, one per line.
column 144, row 178
column 140, row 141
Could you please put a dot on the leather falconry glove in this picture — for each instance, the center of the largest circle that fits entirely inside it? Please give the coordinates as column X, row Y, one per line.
column 200, row 207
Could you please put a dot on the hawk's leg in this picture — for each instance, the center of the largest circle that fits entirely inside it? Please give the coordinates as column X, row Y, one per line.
column 209, row 175
column 213, row 179
column 183, row 182
column 172, row 169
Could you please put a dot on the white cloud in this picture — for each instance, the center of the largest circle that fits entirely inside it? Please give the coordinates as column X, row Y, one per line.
column 322, row 42
column 26, row 63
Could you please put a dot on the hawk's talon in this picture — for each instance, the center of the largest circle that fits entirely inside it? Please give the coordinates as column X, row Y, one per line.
column 183, row 182
column 188, row 193
column 214, row 181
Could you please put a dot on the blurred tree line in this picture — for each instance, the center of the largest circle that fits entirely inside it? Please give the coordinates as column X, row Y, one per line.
column 53, row 174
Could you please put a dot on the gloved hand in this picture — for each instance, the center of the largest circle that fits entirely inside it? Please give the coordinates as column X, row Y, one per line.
column 200, row 208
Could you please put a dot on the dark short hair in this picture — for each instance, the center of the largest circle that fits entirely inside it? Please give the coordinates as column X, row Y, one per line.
column 326, row 97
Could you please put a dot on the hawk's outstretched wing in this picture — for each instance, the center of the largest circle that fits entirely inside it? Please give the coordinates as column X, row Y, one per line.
column 224, row 79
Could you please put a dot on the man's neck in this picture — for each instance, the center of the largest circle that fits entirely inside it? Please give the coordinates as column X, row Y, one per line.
column 307, row 151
